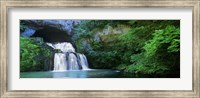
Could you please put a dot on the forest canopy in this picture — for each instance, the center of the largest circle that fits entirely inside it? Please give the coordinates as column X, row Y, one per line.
column 142, row 47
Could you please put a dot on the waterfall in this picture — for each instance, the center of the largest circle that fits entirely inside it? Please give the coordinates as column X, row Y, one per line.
column 73, row 62
column 60, row 62
column 64, row 46
column 83, row 61
column 68, row 59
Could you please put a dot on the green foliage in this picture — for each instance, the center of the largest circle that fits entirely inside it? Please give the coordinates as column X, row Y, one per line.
column 170, row 35
column 154, row 60
column 150, row 47
column 33, row 54
column 103, row 60
column 23, row 26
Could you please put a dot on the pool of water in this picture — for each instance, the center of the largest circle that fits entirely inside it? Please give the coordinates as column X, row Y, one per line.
column 93, row 73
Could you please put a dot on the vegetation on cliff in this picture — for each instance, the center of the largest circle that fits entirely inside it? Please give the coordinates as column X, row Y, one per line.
column 35, row 55
column 149, row 48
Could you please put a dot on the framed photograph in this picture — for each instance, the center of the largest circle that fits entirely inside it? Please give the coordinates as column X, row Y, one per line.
column 99, row 48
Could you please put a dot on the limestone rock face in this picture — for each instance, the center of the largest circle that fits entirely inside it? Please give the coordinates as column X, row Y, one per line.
column 106, row 35
column 109, row 32
column 52, row 34
column 49, row 30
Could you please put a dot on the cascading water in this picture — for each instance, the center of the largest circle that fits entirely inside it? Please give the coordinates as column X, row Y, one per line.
column 68, row 59
column 60, row 61
column 83, row 61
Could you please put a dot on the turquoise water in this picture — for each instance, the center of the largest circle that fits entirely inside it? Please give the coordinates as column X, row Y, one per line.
column 94, row 73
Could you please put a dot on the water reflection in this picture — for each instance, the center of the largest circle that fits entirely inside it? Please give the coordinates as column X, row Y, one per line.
column 72, row 74
column 68, row 74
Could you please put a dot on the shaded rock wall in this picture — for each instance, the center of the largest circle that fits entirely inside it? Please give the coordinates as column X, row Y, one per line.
column 52, row 34
column 49, row 30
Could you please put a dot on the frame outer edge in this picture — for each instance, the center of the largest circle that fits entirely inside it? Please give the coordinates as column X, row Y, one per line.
column 3, row 49
column 102, row 3
column 196, row 48
column 198, row 67
column 0, row 49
